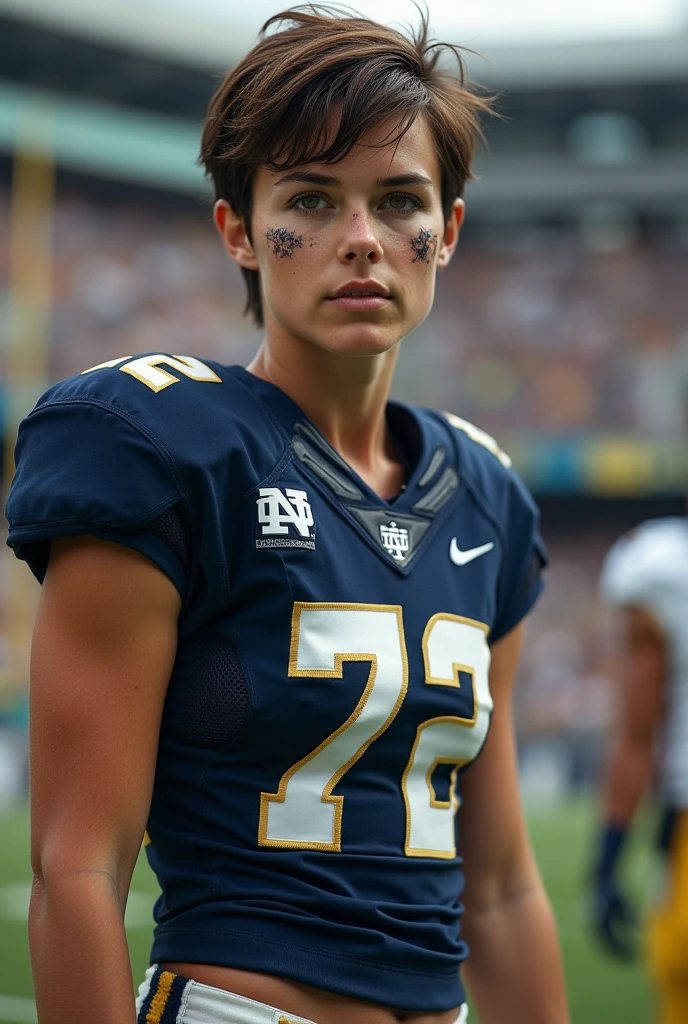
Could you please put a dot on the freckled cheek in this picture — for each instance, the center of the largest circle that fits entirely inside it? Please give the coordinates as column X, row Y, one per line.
column 413, row 254
column 282, row 252
column 306, row 262
column 407, row 239
column 293, row 281
column 312, row 246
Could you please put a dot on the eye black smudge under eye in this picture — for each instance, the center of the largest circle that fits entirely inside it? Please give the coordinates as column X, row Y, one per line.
column 423, row 246
column 283, row 242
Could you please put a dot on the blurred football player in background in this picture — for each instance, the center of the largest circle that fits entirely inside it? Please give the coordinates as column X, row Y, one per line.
column 645, row 578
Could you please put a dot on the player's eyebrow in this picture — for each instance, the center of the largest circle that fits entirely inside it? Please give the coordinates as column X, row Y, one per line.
column 309, row 178
column 404, row 179
column 328, row 180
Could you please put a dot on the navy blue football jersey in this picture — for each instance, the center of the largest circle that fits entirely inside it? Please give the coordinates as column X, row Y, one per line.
column 331, row 681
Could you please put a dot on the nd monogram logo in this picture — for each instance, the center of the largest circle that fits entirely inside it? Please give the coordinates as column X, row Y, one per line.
column 285, row 519
column 395, row 540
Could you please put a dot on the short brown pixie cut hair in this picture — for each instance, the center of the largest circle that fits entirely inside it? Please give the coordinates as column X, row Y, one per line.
column 274, row 108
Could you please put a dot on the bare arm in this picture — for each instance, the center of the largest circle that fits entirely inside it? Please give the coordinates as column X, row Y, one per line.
column 104, row 646
column 514, row 969
column 640, row 666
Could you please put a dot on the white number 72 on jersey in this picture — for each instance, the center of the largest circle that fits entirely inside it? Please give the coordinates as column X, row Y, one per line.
column 303, row 814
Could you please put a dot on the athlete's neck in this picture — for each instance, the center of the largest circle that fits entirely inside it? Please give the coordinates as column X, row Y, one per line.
column 345, row 397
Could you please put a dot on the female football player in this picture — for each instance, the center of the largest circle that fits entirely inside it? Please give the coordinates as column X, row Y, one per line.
column 280, row 613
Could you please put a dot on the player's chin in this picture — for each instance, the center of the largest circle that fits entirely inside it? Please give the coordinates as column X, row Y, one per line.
column 363, row 334
column 361, row 339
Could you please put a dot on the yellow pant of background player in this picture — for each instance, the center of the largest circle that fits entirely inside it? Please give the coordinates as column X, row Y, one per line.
column 667, row 938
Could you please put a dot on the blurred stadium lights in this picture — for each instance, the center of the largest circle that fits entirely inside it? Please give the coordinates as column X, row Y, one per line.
column 99, row 139
column 214, row 32
column 581, row 154
column 494, row 18
column 538, row 38
column 608, row 138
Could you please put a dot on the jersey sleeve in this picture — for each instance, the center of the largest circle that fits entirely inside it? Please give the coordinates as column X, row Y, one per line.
column 525, row 556
column 85, row 469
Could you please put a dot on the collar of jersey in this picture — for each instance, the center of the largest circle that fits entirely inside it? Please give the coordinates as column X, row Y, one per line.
column 417, row 510
column 288, row 414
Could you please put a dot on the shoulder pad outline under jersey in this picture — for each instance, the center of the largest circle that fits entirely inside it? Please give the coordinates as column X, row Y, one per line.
column 479, row 436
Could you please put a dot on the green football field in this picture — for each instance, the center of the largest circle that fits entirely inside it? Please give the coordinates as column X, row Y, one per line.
column 601, row 992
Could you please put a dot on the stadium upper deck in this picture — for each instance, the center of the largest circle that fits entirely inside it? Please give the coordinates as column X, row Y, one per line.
column 583, row 121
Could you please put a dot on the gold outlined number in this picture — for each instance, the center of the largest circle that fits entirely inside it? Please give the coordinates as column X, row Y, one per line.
column 148, row 370
column 303, row 814
column 449, row 739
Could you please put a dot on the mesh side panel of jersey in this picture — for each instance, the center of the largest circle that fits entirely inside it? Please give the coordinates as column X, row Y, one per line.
column 531, row 576
column 208, row 695
column 169, row 528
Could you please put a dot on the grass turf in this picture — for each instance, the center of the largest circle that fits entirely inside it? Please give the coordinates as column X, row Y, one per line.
column 600, row 991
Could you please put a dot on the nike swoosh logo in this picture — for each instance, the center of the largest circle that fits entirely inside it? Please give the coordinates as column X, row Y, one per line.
column 460, row 557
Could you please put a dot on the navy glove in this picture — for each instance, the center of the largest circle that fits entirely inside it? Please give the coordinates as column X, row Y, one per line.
column 614, row 920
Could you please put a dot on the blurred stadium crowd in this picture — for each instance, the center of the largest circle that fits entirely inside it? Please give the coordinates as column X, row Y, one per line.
column 538, row 331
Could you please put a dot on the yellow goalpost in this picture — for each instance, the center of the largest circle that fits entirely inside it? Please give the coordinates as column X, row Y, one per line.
column 27, row 355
